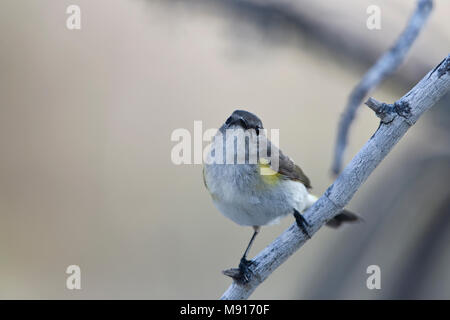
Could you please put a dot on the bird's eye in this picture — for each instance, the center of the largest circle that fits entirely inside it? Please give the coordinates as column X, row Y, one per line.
column 243, row 123
column 228, row 120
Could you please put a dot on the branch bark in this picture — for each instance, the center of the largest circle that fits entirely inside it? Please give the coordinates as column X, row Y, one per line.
column 383, row 68
column 406, row 112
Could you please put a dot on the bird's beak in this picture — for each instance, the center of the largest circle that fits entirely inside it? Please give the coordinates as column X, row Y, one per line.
column 237, row 120
column 232, row 122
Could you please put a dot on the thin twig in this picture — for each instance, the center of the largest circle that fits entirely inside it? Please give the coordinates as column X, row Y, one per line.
column 406, row 112
column 384, row 111
column 384, row 67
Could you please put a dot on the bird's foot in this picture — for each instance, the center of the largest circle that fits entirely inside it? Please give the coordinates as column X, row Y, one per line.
column 302, row 223
column 242, row 274
column 244, row 270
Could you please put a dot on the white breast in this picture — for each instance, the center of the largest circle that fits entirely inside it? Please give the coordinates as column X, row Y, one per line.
column 239, row 193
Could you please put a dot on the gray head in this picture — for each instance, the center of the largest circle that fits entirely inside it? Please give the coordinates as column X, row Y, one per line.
column 245, row 120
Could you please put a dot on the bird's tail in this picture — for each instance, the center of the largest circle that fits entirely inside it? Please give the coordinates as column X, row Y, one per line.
column 344, row 216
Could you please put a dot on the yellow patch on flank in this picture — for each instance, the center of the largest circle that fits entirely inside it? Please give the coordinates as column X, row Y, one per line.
column 268, row 175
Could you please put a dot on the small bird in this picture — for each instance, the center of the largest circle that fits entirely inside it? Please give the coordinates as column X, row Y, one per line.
column 250, row 188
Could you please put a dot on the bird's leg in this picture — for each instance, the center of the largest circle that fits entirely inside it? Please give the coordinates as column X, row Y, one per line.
column 301, row 223
column 256, row 231
column 244, row 264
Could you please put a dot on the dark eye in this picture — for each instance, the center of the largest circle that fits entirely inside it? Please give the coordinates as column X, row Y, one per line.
column 243, row 123
column 228, row 120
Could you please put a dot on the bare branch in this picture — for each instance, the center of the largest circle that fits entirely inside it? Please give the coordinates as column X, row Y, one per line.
column 405, row 112
column 383, row 110
column 383, row 68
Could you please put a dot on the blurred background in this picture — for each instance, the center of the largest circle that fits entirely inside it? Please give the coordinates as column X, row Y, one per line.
column 86, row 175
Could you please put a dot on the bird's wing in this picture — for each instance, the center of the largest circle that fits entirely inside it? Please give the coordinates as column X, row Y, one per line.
column 287, row 169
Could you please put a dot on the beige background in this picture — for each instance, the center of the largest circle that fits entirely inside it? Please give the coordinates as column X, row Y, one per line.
column 85, row 122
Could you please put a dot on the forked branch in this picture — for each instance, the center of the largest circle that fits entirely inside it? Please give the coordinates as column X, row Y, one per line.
column 396, row 119
column 385, row 66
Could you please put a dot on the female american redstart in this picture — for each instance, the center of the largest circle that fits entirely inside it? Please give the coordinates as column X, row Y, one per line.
column 253, row 183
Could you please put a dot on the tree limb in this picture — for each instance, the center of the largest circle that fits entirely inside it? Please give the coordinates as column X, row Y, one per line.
column 403, row 114
column 384, row 67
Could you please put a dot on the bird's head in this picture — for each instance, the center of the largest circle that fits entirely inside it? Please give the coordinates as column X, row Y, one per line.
column 244, row 120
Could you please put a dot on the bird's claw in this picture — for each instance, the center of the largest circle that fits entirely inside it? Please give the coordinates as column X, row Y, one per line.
column 244, row 270
column 302, row 223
